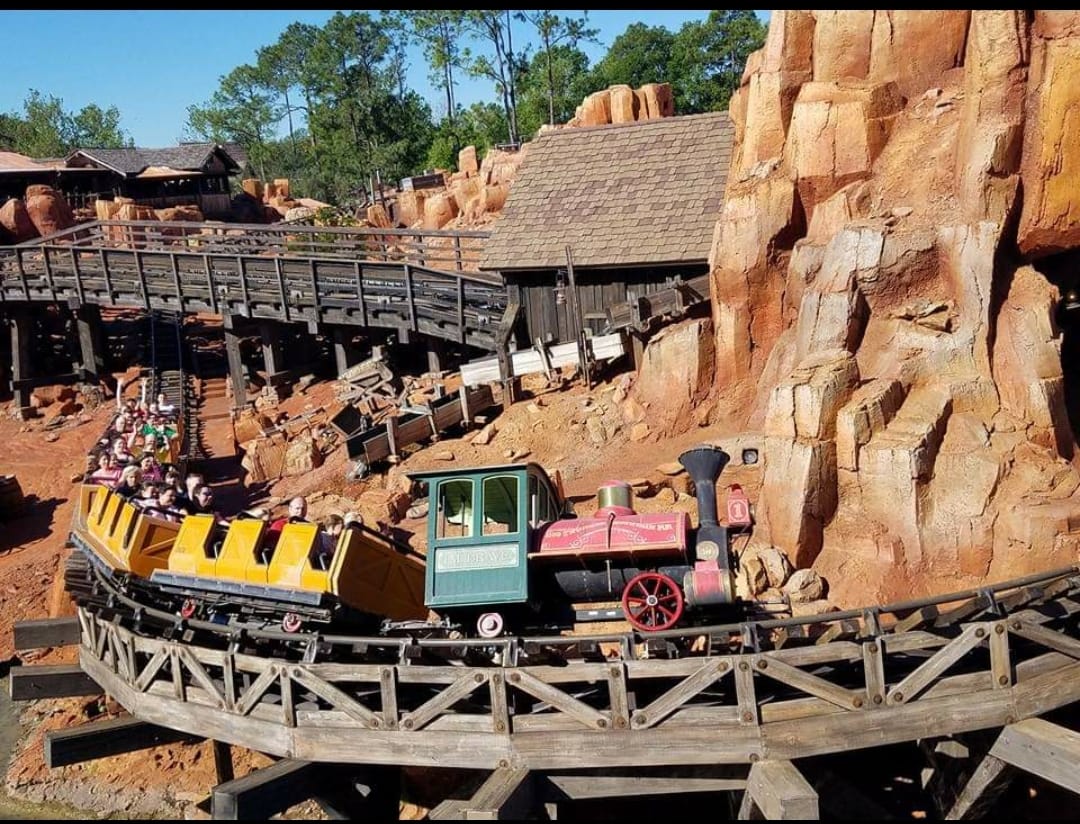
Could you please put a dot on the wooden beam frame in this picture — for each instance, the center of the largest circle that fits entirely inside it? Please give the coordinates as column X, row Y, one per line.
column 100, row 739
column 779, row 791
column 51, row 681
column 46, row 632
column 262, row 793
column 1042, row 748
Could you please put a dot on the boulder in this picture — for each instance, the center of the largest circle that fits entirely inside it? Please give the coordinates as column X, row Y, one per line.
column 804, row 586
column 798, row 496
column 301, row 456
column 15, row 220
column 48, row 210
column 439, row 209
column 660, row 100
column 410, row 207
column 675, row 374
column 253, row 187
column 595, row 110
column 914, row 48
column 377, row 217
column 264, row 459
column 385, row 506
column 467, row 162
column 624, row 104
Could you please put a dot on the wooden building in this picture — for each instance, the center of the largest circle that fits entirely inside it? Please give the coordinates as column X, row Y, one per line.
column 189, row 173
column 637, row 203
column 17, row 171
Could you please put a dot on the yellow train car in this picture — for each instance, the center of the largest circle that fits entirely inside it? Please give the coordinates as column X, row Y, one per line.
column 120, row 536
column 245, row 569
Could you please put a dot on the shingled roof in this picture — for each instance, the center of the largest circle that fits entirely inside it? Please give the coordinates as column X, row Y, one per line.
column 130, row 162
column 620, row 195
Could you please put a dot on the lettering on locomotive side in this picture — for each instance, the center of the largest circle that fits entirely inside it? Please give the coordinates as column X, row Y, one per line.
column 498, row 556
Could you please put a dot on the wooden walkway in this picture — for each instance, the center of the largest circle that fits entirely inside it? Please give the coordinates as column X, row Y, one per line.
column 416, row 282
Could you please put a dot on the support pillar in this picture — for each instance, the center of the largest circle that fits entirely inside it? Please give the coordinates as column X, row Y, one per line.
column 435, row 355
column 270, row 333
column 20, row 327
column 236, row 364
column 92, row 360
column 345, row 353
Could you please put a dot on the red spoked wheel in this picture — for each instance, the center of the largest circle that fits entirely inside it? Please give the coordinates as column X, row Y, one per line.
column 652, row 602
column 188, row 608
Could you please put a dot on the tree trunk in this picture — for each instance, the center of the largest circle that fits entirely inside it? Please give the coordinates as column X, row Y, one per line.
column 551, row 82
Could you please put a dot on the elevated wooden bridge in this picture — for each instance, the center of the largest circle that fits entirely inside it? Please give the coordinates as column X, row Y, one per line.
column 419, row 282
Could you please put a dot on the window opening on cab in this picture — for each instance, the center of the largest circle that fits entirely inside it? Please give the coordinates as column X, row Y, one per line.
column 455, row 514
column 500, row 506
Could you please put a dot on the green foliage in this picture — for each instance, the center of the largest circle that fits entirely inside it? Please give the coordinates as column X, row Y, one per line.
column 329, row 108
column 567, row 76
column 45, row 128
column 558, row 36
column 482, row 125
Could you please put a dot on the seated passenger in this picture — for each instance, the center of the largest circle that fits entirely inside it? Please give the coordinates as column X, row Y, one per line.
column 323, row 551
column 147, row 495
column 164, row 407
column 164, row 506
column 107, row 472
column 203, row 503
column 151, row 470
column 297, row 515
column 130, row 482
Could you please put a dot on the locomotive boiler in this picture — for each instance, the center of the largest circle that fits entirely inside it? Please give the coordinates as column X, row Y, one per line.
column 502, row 556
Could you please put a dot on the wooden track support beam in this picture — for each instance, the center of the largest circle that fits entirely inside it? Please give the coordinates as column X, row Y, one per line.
column 981, row 790
column 46, row 632
column 509, row 793
column 262, row 793
column 99, row 739
column 1047, row 750
column 778, row 790
column 51, row 681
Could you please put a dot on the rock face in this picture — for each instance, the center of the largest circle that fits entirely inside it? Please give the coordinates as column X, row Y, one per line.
column 623, row 104
column 674, row 377
column 871, row 318
column 48, row 210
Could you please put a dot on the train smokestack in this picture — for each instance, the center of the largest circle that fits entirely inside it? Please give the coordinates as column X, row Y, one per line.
column 705, row 463
column 710, row 582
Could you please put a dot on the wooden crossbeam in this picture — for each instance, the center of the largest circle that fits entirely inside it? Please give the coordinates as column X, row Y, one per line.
column 779, row 791
column 985, row 784
column 445, row 699
column 577, row 787
column 507, row 794
column 1047, row 750
column 47, row 632
column 944, row 658
column 51, row 681
column 100, row 739
column 262, row 793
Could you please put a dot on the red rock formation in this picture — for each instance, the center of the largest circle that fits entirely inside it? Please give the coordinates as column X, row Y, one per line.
column 48, row 210
column 16, row 221
column 869, row 321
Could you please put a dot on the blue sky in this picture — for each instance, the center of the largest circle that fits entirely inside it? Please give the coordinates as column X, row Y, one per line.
column 153, row 64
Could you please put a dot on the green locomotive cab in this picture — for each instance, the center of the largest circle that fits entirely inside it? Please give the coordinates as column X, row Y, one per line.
column 481, row 523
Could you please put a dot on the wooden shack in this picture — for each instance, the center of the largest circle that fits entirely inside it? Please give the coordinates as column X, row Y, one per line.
column 637, row 204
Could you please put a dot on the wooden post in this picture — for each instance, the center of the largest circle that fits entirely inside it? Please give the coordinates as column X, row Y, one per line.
column 502, row 350
column 984, row 786
column 236, row 363
column 223, row 762
column 576, row 318
column 435, row 353
column 51, row 681
column 345, row 354
column 20, row 327
column 273, row 360
column 88, row 323
column 100, row 739
column 262, row 793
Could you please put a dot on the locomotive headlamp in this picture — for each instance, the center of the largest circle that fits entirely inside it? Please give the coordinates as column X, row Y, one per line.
column 708, row 551
column 749, row 457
